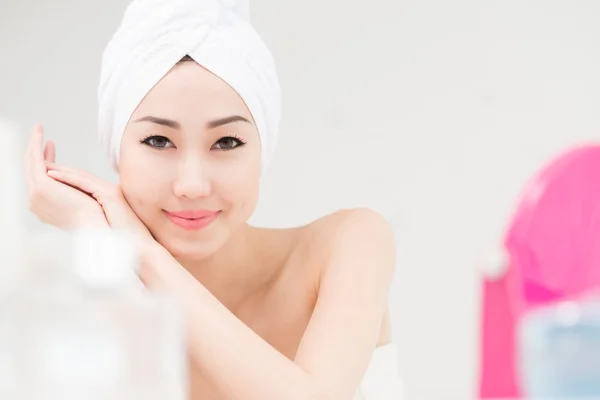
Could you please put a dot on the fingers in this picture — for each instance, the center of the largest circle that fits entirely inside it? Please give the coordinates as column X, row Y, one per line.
column 76, row 180
column 35, row 170
column 100, row 190
column 51, row 166
column 50, row 152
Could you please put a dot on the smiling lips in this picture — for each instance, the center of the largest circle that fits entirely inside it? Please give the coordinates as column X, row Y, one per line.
column 192, row 220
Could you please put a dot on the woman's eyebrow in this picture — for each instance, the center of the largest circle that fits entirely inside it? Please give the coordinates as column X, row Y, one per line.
column 176, row 125
column 225, row 121
column 160, row 121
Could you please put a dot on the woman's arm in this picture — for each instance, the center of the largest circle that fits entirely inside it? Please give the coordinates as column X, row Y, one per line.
column 341, row 335
column 339, row 340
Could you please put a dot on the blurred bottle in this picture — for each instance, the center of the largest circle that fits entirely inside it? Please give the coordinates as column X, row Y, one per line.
column 11, row 204
column 95, row 333
column 11, row 228
column 559, row 350
column 86, row 330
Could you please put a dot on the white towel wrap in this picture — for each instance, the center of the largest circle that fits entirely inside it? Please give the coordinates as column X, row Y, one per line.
column 155, row 34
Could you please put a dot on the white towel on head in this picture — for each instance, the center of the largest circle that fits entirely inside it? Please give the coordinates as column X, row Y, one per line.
column 155, row 34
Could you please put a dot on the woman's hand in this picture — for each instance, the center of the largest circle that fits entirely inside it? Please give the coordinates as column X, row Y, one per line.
column 53, row 202
column 108, row 195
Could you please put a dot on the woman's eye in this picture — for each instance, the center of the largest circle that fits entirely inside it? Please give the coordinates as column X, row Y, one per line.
column 159, row 142
column 228, row 143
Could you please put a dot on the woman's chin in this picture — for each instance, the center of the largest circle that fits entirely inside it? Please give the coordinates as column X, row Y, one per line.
column 190, row 250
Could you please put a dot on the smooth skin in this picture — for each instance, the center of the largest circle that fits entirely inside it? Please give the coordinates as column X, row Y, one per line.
column 271, row 313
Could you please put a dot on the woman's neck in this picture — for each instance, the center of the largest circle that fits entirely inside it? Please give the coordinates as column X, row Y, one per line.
column 238, row 271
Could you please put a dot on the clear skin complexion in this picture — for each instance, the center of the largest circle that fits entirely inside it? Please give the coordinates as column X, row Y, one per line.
column 288, row 313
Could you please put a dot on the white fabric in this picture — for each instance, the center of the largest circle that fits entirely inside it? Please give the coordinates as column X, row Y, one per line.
column 155, row 34
column 382, row 379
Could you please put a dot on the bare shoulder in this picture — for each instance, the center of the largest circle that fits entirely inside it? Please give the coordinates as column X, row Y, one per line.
column 354, row 217
column 352, row 258
column 357, row 232
column 342, row 258
column 348, row 225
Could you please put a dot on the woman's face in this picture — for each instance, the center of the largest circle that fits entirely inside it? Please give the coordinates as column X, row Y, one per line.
column 190, row 162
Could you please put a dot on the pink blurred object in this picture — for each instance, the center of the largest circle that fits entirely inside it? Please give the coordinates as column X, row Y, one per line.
column 553, row 253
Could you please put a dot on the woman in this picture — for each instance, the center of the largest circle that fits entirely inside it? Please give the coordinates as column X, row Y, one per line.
column 271, row 313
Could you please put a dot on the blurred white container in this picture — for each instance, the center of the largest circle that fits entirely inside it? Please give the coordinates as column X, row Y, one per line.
column 75, row 322
column 559, row 351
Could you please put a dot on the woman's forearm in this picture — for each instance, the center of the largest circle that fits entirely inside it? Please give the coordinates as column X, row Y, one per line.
column 235, row 360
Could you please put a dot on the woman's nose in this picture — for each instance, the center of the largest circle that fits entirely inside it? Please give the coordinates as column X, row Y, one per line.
column 192, row 180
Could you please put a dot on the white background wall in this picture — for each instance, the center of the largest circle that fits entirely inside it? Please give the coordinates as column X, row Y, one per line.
column 433, row 112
